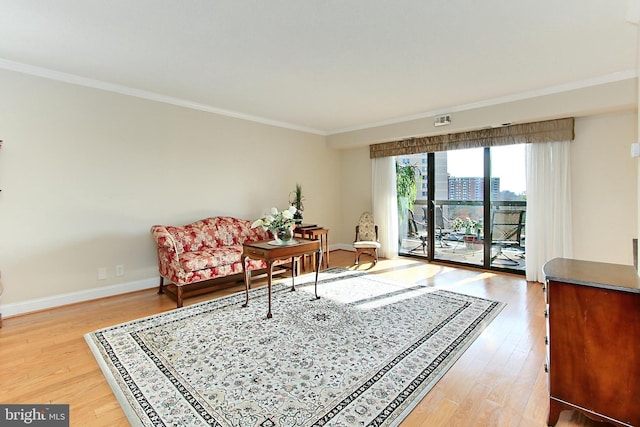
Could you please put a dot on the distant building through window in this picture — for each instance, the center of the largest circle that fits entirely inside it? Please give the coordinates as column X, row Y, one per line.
column 471, row 188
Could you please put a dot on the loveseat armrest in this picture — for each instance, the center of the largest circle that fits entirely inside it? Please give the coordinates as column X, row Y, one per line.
column 163, row 238
column 168, row 250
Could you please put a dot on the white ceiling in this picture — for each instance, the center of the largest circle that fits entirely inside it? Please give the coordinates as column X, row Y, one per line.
column 322, row 65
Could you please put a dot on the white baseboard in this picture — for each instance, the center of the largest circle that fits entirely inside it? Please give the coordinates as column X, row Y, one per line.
column 343, row 246
column 37, row 304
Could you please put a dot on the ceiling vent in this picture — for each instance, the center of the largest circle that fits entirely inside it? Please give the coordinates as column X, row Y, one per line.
column 442, row 120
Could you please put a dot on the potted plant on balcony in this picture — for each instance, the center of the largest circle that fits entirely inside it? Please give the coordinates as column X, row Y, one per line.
column 471, row 229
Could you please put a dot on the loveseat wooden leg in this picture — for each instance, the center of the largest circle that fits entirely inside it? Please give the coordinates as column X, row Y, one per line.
column 161, row 288
column 179, row 295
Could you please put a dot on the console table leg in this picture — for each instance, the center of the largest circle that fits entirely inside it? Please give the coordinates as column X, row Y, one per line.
column 293, row 273
column 318, row 263
column 247, row 278
column 269, row 269
column 326, row 245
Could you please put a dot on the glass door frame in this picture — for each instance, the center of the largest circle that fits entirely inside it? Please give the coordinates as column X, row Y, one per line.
column 487, row 204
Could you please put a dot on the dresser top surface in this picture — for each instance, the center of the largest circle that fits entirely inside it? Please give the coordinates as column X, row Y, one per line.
column 589, row 273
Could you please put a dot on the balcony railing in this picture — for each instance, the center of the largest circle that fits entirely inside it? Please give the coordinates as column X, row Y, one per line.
column 506, row 228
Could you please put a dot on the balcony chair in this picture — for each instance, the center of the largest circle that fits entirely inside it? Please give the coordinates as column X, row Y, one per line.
column 506, row 232
column 366, row 241
column 443, row 229
column 417, row 230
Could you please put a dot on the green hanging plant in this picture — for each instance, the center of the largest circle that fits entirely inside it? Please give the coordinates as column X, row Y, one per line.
column 406, row 186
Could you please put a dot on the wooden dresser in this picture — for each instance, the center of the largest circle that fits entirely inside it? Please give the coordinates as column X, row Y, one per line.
column 593, row 340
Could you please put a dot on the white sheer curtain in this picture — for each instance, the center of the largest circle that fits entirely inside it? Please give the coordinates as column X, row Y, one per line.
column 548, row 222
column 385, row 210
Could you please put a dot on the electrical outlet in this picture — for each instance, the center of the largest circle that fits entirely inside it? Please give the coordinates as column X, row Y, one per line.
column 102, row 273
column 120, row 270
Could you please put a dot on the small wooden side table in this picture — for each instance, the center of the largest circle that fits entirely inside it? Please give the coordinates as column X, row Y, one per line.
column 316, row 233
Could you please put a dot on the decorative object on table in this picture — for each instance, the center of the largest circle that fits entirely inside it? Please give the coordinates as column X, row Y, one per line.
column 296, row 198
column 164, row 369
column 280, row 223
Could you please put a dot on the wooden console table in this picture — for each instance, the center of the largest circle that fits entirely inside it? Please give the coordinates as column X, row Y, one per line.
column 266, row 251
column 593, row 338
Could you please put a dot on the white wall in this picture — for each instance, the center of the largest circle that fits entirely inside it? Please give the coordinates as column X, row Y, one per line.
column 356, row 194
column 85, row 173
column 604, row 188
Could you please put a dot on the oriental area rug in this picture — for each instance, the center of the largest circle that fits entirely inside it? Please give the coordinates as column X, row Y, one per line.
column 365, row 353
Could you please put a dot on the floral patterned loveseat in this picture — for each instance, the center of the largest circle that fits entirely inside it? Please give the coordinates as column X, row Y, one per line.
column 206, row 249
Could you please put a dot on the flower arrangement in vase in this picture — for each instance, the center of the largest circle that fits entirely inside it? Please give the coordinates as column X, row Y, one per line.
column 280, row 223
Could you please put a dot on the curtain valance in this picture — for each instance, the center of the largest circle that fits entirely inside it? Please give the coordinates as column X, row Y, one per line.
column 546, row 131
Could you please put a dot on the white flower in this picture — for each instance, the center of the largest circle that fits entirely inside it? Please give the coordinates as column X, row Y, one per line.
column 276, row 220
column 470, row 225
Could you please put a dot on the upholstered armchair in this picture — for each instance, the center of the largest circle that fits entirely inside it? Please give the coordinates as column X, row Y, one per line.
column 366, row 241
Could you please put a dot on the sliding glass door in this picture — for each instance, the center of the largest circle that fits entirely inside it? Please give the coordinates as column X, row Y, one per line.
column 469, row 207
column 459, row 206
column 508, row 206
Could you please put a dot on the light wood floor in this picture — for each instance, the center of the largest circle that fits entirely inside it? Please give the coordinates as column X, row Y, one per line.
column 499, row 381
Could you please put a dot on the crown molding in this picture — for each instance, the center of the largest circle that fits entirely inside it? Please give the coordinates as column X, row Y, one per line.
column 582, row 84
column 151, row 96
